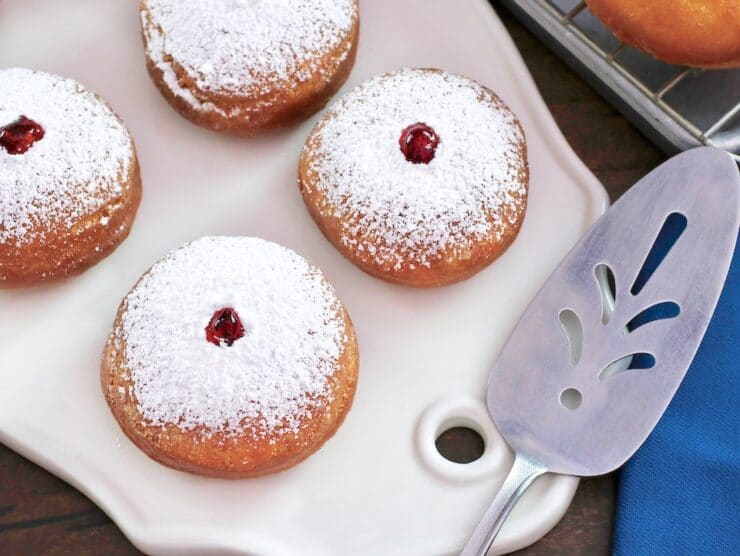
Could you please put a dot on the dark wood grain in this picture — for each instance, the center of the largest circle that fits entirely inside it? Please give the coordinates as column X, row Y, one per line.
column 40, row 514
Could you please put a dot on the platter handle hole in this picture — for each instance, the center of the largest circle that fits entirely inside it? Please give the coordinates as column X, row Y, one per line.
column 460, row 445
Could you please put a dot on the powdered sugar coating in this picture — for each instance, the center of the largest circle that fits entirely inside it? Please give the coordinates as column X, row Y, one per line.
column 403, row 214
column 243, row 47
column 74, row 170
column 270, row 379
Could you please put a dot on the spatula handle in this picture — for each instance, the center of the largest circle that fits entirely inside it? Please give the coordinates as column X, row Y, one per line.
column 522, row 473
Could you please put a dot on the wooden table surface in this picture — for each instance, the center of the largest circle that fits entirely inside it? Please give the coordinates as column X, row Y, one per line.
column 40, row 514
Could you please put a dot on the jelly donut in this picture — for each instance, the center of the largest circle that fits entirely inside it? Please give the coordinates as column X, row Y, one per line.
column 246, row 67
column 419, row 177
column 245, row 367
column 69, row 178
column 703, row 33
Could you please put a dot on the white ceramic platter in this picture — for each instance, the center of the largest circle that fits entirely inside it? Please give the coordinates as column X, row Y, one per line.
column 379, row 486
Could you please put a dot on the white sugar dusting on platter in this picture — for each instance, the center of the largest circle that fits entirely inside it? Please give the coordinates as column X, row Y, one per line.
column 268, row 381
column 242, row 47
column 406, row 214
column 74, row 170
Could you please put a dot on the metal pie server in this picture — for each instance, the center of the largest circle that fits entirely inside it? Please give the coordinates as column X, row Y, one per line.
column 599, row 353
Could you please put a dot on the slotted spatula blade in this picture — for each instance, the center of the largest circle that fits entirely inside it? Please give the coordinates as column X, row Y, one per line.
column 590, row 369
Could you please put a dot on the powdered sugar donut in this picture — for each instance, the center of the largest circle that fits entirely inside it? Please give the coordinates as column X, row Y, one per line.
column 245, row 367
column 246, row 66
column 419, row 177
column 69, row 178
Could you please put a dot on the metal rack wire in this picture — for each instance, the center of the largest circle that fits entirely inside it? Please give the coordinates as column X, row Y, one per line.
column 678, row 107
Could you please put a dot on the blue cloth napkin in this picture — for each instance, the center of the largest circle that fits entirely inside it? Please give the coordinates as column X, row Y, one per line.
column 680, row 493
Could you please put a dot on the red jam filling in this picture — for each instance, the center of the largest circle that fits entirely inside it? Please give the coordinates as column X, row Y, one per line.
column 225, row 327
column 419, row 143
column 19, row 136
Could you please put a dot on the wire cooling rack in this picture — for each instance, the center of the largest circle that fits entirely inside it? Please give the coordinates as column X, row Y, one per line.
column 678, row 107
